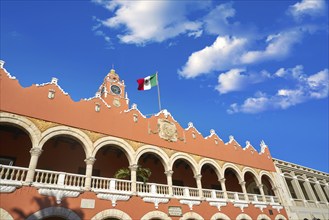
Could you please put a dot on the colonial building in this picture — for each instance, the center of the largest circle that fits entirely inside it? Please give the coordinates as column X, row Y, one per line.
column 305, row 192
column 58, row 159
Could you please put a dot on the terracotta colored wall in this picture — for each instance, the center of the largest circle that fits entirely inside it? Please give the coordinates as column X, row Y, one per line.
column 16, row 146
column 109, row 161
column 26, row 201
column 61, row 157
column 232, row 182
column 183, row 172
column 209, row 179
column 33, row 102
column 157, row 169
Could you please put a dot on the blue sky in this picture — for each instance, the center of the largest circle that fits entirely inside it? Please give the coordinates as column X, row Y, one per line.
column 257, row 70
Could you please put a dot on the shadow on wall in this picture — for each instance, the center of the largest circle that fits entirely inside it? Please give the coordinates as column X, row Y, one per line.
column 50, row 210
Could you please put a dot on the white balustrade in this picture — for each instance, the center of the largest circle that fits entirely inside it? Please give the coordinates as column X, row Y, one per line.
column 12, row 173
column 185, row 191
column 110, row 184
column 152, row 188
column 58, row 179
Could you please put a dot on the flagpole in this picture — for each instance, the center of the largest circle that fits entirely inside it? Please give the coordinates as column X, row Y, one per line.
column 158, row 91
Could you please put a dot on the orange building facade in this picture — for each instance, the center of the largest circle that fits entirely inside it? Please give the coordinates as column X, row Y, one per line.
column 58, row 159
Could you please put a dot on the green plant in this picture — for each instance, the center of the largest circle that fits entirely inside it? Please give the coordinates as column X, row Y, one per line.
column 142, row 174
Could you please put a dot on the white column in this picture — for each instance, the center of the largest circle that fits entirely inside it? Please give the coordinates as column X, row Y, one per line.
column 320, row 192
column 298, row 190
column 244, row 190
column 133, row 176
column 223, row 186
column 35, row 154
column 309, row 190
column 169, row 174
column 199, row 184
column 261, row 190
column 89, row 171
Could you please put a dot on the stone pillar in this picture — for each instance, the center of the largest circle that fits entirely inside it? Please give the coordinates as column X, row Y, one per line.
column 169, row 174
column 199, row 184
column 244, row 190
column 35, row 154
column 261, row 190
column 223, row 186
column 298, row 190
column 326, row 190
column 89, row 171
column 309, row 190
column 320, row 192
column 133, row 176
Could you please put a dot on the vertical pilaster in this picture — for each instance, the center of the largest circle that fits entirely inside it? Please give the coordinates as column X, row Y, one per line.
column 199, row 184
column 133, row 175
column 35, row 154
column 244, row 190
column 89, row 171
column 169, row 174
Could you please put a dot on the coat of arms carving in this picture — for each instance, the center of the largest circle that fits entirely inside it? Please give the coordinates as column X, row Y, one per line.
column 167, row 130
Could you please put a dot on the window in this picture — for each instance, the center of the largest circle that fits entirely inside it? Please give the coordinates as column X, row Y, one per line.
column 10, row 161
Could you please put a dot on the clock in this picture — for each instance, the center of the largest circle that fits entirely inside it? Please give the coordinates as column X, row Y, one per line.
column 115, row 89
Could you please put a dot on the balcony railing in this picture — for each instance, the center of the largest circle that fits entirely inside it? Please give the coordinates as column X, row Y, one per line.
column 110, row 184
column 152, row 188
column 54, row 179
column 12, row 173
column 58, row 179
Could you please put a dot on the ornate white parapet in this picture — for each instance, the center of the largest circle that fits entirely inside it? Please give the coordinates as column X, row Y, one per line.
column 9, row 186
column 259, row 204
column 113, row 197
column 190, row 203
column 156, row 200
column 58, row 193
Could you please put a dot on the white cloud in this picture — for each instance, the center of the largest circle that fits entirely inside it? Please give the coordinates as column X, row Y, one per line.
column 151, row 21
column 307, row 7
column 237, row 79
column 311, row 87
column 216, row 21
column 279, row 46
column 221, row 55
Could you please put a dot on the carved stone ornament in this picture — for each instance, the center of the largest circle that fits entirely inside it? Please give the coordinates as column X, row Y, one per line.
column 58, row 193
column 167, row 130
column 190, row 203
column 116, row 102
column 155, row 200
column 113, row 197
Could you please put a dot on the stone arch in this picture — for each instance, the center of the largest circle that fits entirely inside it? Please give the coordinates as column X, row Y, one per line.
column 153, row 150
column 186, row 157
column 263, row 217
column 24, row 123
column 280, row 217
column 252, row 171
column 114, row 213
column 5, row 215
column 269, row 177
column 213, row 164
column 220, row 216
column 68, row 131
column 192, row 215
column 156, row 214
column 54, row 211
column 120, row 143
column 234, row 168
column 243, row 216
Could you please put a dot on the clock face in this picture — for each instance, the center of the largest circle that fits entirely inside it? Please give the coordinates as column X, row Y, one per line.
column 115, row 89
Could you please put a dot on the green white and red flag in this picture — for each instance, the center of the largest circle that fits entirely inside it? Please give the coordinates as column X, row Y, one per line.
column 147, row 82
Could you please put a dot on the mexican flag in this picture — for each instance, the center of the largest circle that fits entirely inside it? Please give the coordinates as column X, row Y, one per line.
column 147, row 82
